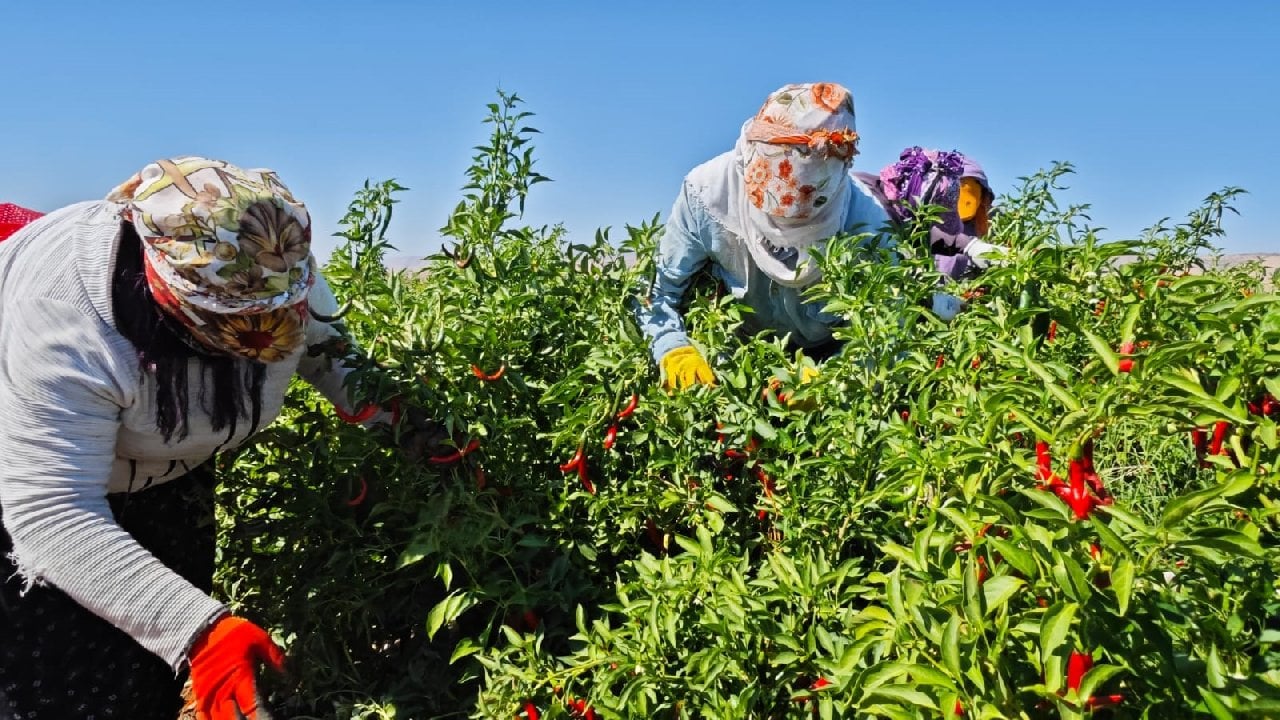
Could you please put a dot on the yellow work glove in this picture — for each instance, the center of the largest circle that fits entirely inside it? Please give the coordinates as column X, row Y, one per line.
column 807, row 375
column 683, row 367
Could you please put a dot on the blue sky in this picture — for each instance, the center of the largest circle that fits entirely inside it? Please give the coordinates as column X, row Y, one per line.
column 1156, row 103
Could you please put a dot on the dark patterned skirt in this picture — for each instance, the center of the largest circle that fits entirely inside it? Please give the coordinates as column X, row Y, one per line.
column 59, row 661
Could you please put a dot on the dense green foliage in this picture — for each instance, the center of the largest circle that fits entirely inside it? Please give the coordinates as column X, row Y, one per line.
column 875, row 544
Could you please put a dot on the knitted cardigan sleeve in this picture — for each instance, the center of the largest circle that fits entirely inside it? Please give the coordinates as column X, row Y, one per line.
column 64, row 377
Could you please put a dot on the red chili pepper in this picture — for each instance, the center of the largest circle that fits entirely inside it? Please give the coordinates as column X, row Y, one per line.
column 1077, row 665
column 625, row 412
column 769, row 488
column 1044, row 464
column 1125, row 366
column 1075, row 494
column 360, row 496
column 766, row 481
column 489, row 377
column 1097, row 702
column 958, row 710
column 364, row 414
column 1201, row 445
column 574, row 462
column 983, row 573
column 820, row 683
column 977, row 362
column 610, row 436
column 938, row 363
column 1091, row 475
column 1220, row 429
column 1102, row 305
column 651, row 529
column 530, row 711
column 1095, row 551
column 585, row 479
column 456, row 455
column 1053, row 330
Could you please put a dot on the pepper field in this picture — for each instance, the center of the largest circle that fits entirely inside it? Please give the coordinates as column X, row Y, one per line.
column 1062, row 504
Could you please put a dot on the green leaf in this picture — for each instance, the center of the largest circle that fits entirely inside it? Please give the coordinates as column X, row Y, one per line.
column 1184, row 506
column 1186, row 381
column 1122, row 574
column 1095, row 678
column 997, row 590
column 1021, row 559
column 1216, row 706
column 1103, row 351
column 447, row 611
column 901, row 694
column 951, row 645
column 1055, row 627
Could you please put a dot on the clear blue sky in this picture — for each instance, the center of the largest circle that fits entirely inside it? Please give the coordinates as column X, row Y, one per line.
column 1156, row 103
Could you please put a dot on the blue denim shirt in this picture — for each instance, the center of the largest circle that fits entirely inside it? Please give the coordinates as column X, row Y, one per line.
column 693, row 239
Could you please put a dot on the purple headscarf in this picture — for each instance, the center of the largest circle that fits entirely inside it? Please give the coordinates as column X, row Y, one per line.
column 930, row 177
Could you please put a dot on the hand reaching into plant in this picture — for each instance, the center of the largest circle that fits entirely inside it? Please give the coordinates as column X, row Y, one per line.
column 224, row 661
column 421, row 437
column 684, row 367
column 984, row 254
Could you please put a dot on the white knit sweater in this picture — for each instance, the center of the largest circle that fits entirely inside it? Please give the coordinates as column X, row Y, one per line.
column 77, row 420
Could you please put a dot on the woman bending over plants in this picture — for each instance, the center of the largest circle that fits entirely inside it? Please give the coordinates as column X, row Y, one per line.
column 139, row 336
column 752, row 215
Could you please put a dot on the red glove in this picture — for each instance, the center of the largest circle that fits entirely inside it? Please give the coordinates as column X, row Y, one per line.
column 223, row 663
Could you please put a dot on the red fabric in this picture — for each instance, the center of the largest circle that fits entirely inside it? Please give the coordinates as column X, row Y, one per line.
column 14, row 217
column 223, row 663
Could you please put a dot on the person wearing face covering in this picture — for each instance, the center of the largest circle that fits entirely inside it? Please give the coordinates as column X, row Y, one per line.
column 954, row 182
column 139, row 336
column 752, row 215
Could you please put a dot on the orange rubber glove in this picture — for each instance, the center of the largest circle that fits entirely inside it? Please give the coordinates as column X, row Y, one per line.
column 223, row 663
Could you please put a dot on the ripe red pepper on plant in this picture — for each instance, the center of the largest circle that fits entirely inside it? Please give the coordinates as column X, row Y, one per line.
column 1053, row 330
column 364, row 414
column 769, row 489
column 573, row 462
column 625, row 412
column 1077, row 665
column 489, row 377
column 1220, row 429
column 1126, row 363
column 456, row 455
column 530, row 711
column 360, row 496
column 610, row 436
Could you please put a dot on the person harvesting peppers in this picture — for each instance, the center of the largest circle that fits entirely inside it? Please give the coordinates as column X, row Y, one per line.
column 752, row 215
column 953, row 181
column 139, row 336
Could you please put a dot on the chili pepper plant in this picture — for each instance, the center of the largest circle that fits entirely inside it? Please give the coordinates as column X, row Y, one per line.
column 1006, row 516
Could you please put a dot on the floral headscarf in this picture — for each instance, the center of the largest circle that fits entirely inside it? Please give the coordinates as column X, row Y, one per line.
column 789, row 186
column 227, row 253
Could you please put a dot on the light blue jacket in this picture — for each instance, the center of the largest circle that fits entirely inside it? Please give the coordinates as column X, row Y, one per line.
column 693, row 239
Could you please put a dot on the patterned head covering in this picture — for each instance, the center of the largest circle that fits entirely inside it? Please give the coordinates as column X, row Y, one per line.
column 929, row 177
column 227, row 253
column 795, row 156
